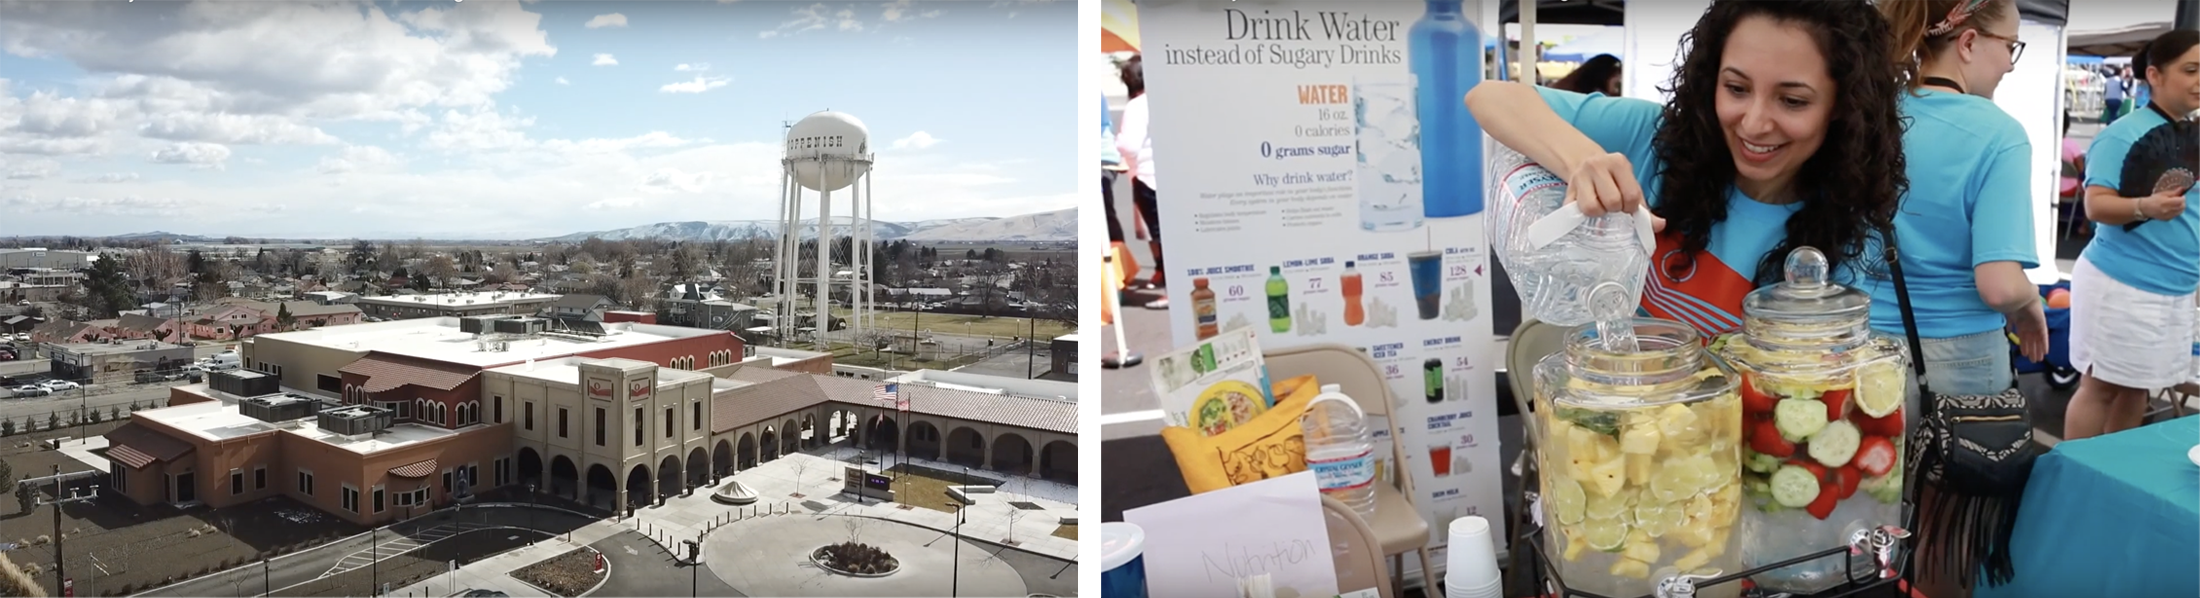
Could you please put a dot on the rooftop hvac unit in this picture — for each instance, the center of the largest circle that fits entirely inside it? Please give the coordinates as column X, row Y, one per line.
column 354, row 420
column 523, row 325
column 479, row 324
column 244, row 383
column 279, row 407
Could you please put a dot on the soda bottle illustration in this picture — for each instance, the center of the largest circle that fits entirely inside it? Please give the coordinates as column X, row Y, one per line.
column 1354, row 312
column 1444, row 50
column 1279, row 301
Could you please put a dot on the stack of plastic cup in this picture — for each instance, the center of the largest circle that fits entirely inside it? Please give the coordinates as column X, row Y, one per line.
column 1122, row 560
column 1470, row 569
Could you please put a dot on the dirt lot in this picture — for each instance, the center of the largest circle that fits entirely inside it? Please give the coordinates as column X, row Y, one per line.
column 569, row 574
column 927, row 487
column 113, row 546
column 1066, row 531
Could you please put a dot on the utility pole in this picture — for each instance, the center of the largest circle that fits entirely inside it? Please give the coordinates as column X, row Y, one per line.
column 1031, row 344
column 60, row 572
column 954, row 588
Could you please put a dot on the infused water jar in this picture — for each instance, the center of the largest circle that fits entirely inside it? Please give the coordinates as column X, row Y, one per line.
column 1638, row 443
column 1823, row 425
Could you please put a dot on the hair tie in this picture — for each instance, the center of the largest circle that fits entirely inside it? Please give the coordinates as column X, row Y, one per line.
column 1956, row 16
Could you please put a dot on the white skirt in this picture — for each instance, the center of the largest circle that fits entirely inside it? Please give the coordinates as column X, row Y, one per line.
column 2126, row 336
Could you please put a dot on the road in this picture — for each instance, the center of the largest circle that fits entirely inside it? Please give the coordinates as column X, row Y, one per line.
column 353, row 555
column 136, row 392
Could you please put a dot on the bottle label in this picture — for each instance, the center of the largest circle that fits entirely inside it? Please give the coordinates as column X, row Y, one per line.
column 1279, row 306
column 1344, row 473
column 1531, row 178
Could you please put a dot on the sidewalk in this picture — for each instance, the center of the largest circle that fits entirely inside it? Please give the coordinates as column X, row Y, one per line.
column 816, row 478
column 493, row 573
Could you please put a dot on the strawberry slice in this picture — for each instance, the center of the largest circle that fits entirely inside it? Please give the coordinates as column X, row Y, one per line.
column 1753, row 400
column 1847, row 478
column 1875, row 456
column 1891, row 425
column 1822, row 507
column 1837, row 403
column 1764, row 437
column 1816, row 470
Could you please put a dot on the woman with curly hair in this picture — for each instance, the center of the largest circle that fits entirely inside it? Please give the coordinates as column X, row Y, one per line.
column 1598, row 75
column 1764, row 148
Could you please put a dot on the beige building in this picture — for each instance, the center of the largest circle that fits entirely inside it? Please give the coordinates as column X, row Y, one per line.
column 621, row 425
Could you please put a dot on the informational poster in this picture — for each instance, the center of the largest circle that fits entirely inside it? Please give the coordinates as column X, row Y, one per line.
column 1320, row 181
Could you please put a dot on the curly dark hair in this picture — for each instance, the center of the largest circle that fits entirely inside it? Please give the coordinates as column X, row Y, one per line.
column 1849, row 188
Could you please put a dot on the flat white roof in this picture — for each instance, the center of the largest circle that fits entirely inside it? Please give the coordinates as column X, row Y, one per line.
column 566, row 370
column 460, row 299
column 220, row 420
column 440, row 339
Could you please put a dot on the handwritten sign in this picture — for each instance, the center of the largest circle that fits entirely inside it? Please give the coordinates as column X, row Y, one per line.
column 1202, row 545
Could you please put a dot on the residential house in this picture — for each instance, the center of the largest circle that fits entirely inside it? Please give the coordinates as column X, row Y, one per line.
column 142, row 327
column 582, row 306
column 64, row 331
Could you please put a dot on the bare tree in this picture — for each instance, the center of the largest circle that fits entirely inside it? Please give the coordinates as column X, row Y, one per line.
column 439, row 270
column 1008, row 494
column 799, row 466
column 854, row 525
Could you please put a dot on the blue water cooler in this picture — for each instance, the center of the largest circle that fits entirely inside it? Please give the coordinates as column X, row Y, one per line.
column 1445, row 51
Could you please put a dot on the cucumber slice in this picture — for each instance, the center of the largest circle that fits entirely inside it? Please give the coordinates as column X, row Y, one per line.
column 1836, row 444
column 1794, row 487
column 1763, row 463
column 1797, row 419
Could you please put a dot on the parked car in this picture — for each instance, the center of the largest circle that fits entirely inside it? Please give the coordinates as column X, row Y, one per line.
column 484, row 594
column 30, row 390
column 60, row 385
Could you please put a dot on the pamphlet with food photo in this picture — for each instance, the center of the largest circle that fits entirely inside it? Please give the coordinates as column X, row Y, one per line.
column 1213, row 385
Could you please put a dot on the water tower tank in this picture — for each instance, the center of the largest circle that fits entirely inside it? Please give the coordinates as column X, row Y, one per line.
column 829, row 150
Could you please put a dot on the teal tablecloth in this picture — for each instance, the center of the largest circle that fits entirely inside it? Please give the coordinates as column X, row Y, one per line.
column 2115, row 515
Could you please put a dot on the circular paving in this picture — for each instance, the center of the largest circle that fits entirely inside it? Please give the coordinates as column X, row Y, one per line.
column 770, row 556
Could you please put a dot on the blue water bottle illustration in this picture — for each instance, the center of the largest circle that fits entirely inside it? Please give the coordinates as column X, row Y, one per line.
column 1445, row 50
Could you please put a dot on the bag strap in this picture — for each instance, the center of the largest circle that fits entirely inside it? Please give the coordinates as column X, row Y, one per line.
column 1909, row 319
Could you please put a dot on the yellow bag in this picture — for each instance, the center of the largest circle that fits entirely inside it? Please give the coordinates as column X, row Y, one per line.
column 1271, row 445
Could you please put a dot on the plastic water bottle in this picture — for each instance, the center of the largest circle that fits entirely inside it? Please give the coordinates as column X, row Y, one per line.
column 1554, row 280
column 1338, row 449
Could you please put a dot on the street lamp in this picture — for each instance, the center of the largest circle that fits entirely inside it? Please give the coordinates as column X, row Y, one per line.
column 531, row 510
column 695, row 562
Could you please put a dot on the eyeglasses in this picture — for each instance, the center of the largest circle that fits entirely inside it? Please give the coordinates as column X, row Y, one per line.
column 2016, row 47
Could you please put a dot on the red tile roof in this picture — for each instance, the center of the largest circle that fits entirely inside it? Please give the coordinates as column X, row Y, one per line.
column 414, row 470
column 138, row 446
column 386, row 372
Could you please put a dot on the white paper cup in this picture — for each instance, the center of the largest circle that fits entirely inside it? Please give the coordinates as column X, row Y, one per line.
column 1494, row 589
column 1471, row 556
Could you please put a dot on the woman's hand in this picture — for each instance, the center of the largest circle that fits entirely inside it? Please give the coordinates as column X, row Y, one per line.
column 1605, row 183
column 2030, row 326
column 2165, row 205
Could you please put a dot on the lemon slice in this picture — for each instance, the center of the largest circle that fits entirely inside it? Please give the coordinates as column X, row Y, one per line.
column 1672, row 484
column 1567, row 500
column 1880, row 387
column 1609, row 507
column 1605, row 535
column 1655, row 520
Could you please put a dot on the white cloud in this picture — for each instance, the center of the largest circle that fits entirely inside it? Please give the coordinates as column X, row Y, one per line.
column 233, row 129
column 562, row 81
column 32, row 169
column 917, row 140
column 699, row 85
column 608, row 20
column 112, row 177
column 479, row 130
column 605, row 60
column 814, row 17
column 672, row 180
column 898, row 10
column 356, row 158
column 194, row 153
column 695, row 67
column 129, row 205
column 616, row 203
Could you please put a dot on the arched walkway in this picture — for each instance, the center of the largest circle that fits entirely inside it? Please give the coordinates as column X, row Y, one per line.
column 530, row 467
column 884, row 434
column 603, row 486
column 924, row 441
column 746, row 454
column 698, row 468
column 637, row 487
column 721, row 460
column 1058, row 462
column 790, row 436
column 565, row 480
column 812, row 435
column 668, row 477
column 770, row 444
column 1012, row 454
column 965, row 446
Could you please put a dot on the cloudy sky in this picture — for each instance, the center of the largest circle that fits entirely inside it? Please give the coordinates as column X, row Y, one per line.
column 501, row 119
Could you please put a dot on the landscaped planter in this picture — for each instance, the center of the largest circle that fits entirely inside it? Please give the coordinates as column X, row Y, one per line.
column 855, row 560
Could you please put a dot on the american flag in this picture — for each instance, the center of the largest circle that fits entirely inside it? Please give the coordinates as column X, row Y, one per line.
column 890, row 392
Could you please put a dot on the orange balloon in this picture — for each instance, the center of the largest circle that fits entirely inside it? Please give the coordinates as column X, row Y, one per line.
column 2059, row 299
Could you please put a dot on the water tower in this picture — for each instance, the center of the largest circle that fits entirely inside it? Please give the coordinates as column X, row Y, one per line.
column 826, row 152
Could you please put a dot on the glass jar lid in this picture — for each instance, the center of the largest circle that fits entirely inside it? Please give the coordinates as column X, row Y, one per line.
column 1808, row 308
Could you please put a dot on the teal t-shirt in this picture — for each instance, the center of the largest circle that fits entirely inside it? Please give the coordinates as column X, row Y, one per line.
column 2160, row 257
column 1707, row 297
column 1970, row 203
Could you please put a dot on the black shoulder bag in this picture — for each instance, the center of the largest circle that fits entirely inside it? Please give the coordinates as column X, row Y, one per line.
column 1976, row 454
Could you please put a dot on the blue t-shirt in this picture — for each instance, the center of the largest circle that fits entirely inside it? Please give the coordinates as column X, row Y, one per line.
column 1707, row 297
column 1970, row 203
column 1108, row 153
column 2160, row 257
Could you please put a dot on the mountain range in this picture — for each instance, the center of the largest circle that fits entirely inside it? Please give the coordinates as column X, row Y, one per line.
column 1059, row 225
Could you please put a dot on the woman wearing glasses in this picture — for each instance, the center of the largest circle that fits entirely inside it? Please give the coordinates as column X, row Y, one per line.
column 1965, row 226
column 2131, row 294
